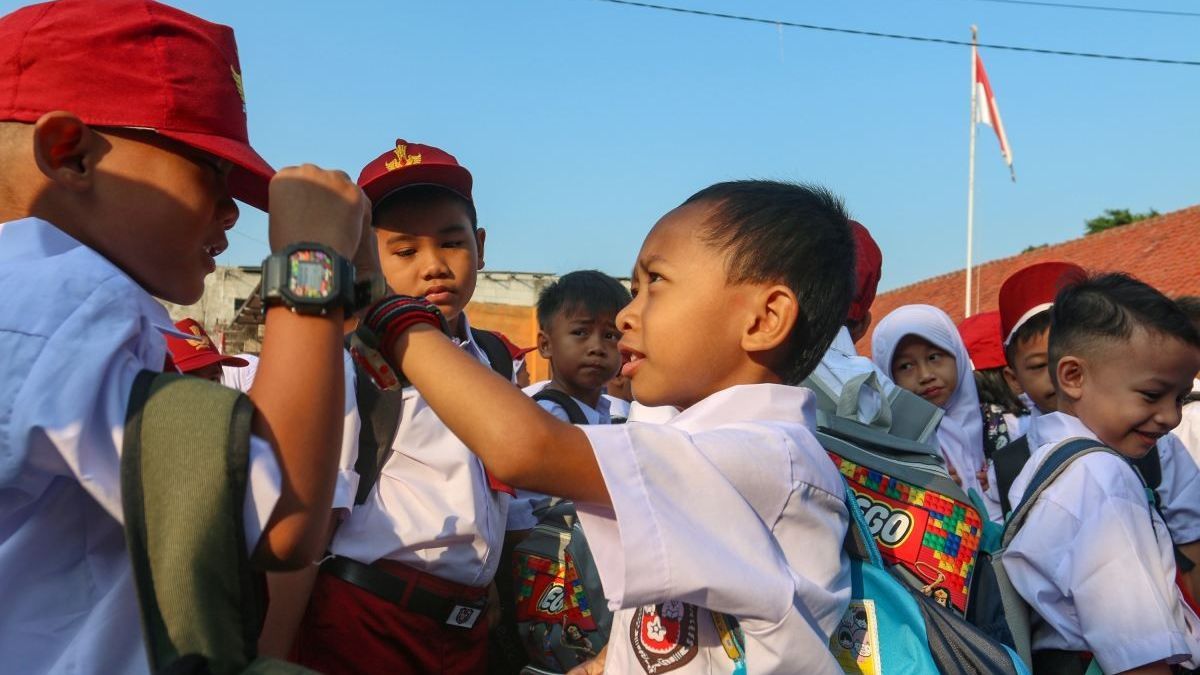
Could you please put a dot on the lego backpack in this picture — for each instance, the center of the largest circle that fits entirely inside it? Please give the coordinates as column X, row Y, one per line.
column 562, row 618
column 892, row 628
column 184, row 462
column 921, row 520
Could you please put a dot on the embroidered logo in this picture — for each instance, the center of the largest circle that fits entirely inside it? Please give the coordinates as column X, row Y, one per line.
column 241, row 89
column 664, row 636
column 202, row 341
column 403, row 159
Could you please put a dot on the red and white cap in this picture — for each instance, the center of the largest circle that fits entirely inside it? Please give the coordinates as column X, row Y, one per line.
column 410, row 164
column 198, row 351
column 134, row 64
column 1031, row 290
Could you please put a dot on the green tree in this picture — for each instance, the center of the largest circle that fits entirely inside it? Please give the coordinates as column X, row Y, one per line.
column 1116, row 218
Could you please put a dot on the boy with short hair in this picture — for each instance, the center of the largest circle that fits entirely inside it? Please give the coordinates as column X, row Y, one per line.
column 718, row 535
column 406, row 586
column 122, row 145
column 1094, row 558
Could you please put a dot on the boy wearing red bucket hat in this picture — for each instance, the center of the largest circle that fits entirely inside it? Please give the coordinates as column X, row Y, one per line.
column 122, row 145
column 406, row 587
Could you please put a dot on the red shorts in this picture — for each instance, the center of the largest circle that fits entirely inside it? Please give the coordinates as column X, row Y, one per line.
column 350, row 630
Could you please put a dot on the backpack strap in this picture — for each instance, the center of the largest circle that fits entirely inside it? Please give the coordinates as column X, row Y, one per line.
column 495, row 351
column 1008, row 462
column 574, row 412
column 184, row 464
column 1059, row 459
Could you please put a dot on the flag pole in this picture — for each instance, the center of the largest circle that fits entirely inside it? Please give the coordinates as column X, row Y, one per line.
column 971, row 175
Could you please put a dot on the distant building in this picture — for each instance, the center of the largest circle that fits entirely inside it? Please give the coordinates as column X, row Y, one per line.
column 232, row 312
column 1161, row 251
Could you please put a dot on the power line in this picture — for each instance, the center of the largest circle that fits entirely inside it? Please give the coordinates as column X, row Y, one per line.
column 1098, row 8
column 897, row 36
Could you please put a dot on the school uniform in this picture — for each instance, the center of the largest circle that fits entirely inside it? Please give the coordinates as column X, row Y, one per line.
column 618, row 408
column 1188, row 430
column 434, row 528
column 525, row 502
column 75, row 331
column 841, row 364
column 1095, row 562
column 728, row 514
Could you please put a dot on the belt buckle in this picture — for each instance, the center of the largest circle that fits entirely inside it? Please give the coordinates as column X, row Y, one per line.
column 464, row 616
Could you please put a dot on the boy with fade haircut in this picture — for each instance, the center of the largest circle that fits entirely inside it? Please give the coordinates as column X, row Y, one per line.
column 406, row 586
column 842, row 363
column 1094, row 558
column 718, row 535
column 1026, row 299
column 122, row 145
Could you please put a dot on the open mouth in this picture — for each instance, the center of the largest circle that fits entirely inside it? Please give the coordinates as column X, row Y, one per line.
column 631, row 360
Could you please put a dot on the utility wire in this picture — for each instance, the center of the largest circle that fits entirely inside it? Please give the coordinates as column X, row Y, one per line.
column 897, row 36
column 1098, row 8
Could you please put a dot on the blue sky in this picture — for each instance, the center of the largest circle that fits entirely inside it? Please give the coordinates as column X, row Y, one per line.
column 583, row 122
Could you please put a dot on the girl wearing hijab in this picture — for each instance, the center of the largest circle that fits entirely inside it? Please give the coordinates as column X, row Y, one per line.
column 921, row 348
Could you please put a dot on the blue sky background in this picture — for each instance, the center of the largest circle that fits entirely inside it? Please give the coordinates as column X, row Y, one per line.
column 583, row 122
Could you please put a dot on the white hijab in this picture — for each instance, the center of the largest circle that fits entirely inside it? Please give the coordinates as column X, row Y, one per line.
column 960, row 433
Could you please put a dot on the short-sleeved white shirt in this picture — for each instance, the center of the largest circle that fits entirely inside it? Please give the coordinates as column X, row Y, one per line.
column 842, row 363
column 731, row 507
column 74, row 333
column 1095, row 562
column 431, row 508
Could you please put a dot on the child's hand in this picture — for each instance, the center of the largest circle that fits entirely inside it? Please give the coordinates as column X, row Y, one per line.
column 954, row 474
column 317, row 205
column 982, row 475
column 592, row 667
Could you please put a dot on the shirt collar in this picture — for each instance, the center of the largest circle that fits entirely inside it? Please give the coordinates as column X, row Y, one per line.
column 843, row 343
column 747, row 403
column 1058, row 426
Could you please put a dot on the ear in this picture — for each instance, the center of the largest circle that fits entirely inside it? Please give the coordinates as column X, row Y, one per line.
column 1070, row 375
column 1010, row 378
column 543, row 345
column 774, row 312
column 67, row 150
column 480, row 238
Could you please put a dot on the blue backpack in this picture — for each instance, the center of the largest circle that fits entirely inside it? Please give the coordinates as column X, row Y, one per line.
column 891, row 627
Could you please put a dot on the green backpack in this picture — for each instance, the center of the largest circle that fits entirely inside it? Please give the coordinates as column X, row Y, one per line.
column 183, row 483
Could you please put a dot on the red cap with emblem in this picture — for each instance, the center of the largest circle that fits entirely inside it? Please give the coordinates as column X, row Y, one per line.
column 868, row 267
column 981, row 335
column 513, row 350
column 133, row 64
column 197, row 353
column 1031, row 290
column 410, row 164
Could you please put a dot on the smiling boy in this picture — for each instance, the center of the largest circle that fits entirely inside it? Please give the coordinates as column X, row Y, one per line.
column 1094, row 558
column 718, row 535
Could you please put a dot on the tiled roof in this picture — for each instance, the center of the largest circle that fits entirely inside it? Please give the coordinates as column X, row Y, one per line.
column 1161, row 251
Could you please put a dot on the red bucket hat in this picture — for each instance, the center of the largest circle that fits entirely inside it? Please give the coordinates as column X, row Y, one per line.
column 134, row 64
column 1032, row 289
column 981, row 335
column 197, row 353
column 410, row 164
column 868, row 267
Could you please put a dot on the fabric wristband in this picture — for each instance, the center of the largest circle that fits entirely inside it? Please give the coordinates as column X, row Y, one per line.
column 387, row 320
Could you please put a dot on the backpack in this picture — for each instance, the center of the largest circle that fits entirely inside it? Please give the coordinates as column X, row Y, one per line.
column 184, row 463
column 920, row 519
column 379, row 409
column 561, row 615
column 891, row 627
column 999, row 609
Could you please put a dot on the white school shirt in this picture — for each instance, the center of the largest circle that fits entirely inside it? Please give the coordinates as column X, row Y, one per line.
column 74, row 333
column 1095, row 562
column 618, row 407
column 731, row 506
column 841, row 363
column 1188, row 430
column 431, row 508
column 1178, row 492
column 520, row 510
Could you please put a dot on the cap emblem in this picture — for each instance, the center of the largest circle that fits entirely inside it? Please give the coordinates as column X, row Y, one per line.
column 237, row 82
column 403, row 159
column 202, row 341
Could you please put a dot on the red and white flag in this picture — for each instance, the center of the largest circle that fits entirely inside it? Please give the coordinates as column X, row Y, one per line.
column 987, row 112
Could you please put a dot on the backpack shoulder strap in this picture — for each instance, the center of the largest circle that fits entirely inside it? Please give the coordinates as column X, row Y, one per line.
column 1008, row 462
column 184, row 466
column 496, row 352
column 574, row 412
column 1058, row 461
column 379, row 419
column 1150, row 468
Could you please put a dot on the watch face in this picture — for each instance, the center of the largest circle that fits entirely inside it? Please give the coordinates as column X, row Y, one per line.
column 311, row 275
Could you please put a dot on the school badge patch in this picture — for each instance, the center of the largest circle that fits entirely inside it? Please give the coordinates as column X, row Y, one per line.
column 664, row 636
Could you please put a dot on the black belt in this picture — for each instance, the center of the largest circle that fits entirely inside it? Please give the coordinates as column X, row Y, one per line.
column 458, row 612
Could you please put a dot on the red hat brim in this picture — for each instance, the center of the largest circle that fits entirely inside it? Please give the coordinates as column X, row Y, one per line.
column 251, row 174
column 206, row 358
column 454, row 178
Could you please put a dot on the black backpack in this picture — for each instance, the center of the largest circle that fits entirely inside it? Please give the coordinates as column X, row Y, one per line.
column 379, row 411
